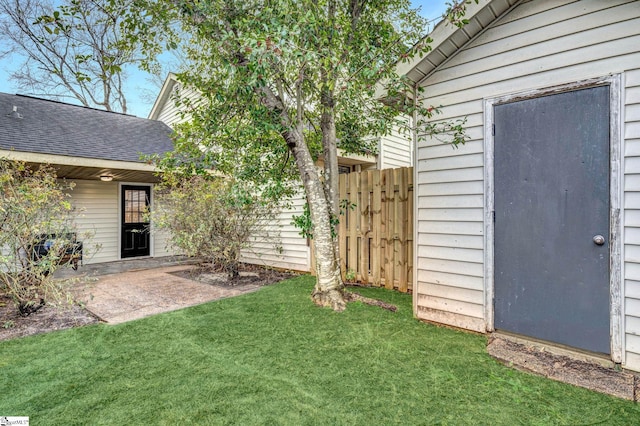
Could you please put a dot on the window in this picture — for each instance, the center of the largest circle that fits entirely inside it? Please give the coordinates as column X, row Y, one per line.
column 344, row 169
column 135, row 205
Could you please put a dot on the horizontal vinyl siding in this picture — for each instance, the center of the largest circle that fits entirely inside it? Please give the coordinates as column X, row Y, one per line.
column 162, row 243
column 396, row 152
column 280, row 244
column 538, row 44
column 97, row 203
column 450, row 234
column 631, row 134
column 170, row 113
column 395, row 148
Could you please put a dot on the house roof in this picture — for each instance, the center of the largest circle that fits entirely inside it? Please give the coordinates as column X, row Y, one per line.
column 40, row 126
column 448, row 39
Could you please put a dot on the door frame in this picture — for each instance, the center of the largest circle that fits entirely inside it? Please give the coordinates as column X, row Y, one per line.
column 616, row 307
column 151, row 245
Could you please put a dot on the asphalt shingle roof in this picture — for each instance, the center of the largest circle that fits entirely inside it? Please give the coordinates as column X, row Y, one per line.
column 51, row 127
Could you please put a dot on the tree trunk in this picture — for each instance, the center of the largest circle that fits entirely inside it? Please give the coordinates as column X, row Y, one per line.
column 330, row 150
column 329, row 289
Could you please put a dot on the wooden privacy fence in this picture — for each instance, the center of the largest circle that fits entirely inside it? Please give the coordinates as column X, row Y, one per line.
column 376, row 230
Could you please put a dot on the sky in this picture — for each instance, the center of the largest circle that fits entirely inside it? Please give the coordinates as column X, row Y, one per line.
column 137, row 82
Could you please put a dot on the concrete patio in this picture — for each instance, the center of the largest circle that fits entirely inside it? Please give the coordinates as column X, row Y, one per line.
column 122, row 291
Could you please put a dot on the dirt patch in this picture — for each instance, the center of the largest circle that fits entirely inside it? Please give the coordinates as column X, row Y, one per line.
column 48, row 318
column 578, row 372
column 51, row 318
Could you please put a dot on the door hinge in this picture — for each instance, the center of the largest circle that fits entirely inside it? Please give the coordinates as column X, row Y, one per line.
column 493, row 213
column 493, row 129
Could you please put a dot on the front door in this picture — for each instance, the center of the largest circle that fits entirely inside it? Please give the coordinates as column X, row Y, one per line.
column 135, row 225
column 551, row 247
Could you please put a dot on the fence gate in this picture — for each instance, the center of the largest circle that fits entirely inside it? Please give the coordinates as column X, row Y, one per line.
column 376, row 229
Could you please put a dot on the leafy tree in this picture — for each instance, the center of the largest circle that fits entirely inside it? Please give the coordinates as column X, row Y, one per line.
column 212, row 217
column 70, row 52
column 285, row 83
column 33, row 207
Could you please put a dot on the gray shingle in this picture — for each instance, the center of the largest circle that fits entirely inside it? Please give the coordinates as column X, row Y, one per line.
column 51, row 127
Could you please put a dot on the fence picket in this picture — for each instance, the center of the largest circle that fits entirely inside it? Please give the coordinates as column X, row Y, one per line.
column 376, row 227
column 376, row 237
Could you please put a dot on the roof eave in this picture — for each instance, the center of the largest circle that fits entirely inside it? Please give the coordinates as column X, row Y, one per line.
column 448, row 39
column 63, row 160
column 163, row 96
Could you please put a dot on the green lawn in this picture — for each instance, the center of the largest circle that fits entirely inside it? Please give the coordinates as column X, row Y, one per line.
column 271, row 357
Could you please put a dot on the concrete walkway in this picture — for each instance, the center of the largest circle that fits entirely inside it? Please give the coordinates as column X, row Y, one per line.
column 133, row 294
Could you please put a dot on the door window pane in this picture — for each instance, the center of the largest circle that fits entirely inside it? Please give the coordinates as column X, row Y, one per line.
column 135, row 205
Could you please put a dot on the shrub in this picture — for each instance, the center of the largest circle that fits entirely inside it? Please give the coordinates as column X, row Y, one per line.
column 211, row 217
column 34, row 206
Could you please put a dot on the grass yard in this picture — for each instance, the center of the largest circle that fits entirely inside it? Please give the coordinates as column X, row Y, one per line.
column 271, row 357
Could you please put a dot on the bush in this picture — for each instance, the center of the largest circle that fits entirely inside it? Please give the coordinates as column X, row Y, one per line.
column 33, row 207
column 211, row 217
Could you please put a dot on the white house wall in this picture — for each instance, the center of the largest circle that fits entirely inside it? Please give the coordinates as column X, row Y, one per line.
column 99, row 214
column 538, row 44
column 281, row 245
column 169, row 113
column 395, row 149
column 97, row 203
column 632, row 217
column 160, row 239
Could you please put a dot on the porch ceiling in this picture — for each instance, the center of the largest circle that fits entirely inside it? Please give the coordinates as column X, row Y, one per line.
column 88, row 168
column 94, row 173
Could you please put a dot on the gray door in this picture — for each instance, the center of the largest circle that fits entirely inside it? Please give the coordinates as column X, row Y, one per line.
column 551, row 175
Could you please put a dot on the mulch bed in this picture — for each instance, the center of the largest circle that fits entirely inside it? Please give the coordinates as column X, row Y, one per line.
column 48, row 318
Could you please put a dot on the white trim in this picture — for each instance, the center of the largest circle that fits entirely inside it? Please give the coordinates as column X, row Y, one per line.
column 163, row 96
column 616, row 231
column 472, row 37
column 441, row 33
column 152, row 239
column 621, row 139
column 64, row 160
column 616, row 242
column 489, row 212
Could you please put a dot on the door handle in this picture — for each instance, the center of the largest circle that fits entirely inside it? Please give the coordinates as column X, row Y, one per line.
column 598, row 239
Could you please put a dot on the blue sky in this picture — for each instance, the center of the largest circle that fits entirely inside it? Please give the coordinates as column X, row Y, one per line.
column 430, row 9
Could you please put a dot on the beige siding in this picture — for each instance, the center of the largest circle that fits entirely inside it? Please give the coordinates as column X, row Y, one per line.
column 281, row 245
column 97, row 203
column 538, row 44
